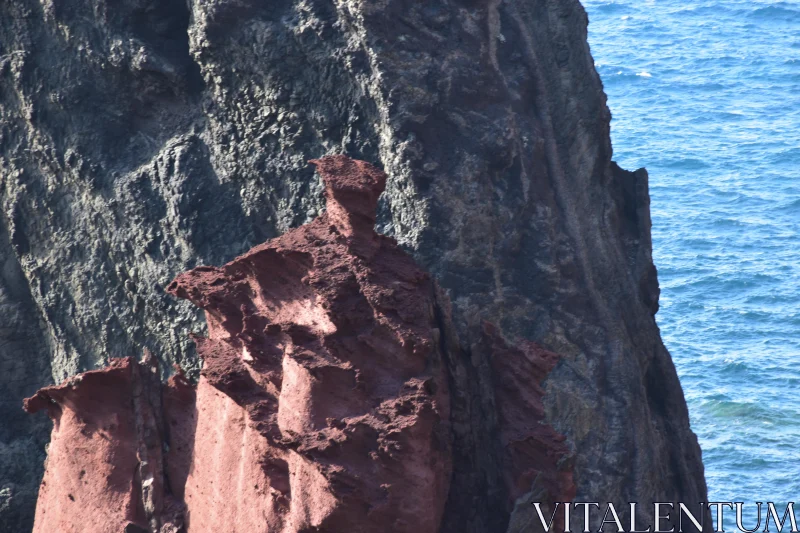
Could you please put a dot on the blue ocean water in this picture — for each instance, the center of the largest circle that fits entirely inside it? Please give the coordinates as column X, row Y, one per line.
column 706, row 95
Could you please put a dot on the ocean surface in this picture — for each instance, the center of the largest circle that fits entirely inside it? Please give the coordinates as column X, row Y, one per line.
column 706, row 95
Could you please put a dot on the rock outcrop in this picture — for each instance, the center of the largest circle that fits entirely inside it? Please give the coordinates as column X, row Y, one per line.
column 105, row 461
column 140, row 139
column 324, row 402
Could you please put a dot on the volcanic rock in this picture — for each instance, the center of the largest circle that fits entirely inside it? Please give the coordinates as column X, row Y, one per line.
column 140, row 139
column 321, row 353
column 104, row 469
column 323, row 402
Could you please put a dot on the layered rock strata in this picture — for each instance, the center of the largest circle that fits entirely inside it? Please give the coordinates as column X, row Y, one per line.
column 326, row 402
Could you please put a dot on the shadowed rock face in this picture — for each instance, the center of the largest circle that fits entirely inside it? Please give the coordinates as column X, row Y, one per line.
column 141, row 139
column 324, row 401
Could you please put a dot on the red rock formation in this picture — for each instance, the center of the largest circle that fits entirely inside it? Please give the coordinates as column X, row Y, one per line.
column 321, row 355
column 104, row 470
column 534, row 454
column 324, row 403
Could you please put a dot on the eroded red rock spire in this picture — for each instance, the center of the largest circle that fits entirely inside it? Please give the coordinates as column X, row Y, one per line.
column 324, row 402
column 320, row 351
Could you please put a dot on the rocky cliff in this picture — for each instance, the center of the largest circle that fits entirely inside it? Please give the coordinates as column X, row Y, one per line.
column 140, row 139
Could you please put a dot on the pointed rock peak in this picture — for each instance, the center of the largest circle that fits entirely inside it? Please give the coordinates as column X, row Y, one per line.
column 352, row 189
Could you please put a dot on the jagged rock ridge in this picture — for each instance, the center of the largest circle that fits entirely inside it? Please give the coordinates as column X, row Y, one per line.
column 323, row 403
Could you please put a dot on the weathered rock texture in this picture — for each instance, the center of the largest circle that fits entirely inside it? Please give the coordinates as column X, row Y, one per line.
column 323, row 340
column 24, row 367
column 105, row 461
column 142, row 138
column 324, row 402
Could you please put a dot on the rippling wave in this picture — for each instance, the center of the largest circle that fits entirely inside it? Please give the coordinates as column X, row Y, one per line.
column 716, row 121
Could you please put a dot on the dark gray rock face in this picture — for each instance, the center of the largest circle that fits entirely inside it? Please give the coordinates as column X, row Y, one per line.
column 24, row 366
column 141, row 138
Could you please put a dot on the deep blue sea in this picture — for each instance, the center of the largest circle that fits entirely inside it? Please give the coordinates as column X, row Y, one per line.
column 706, row 95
